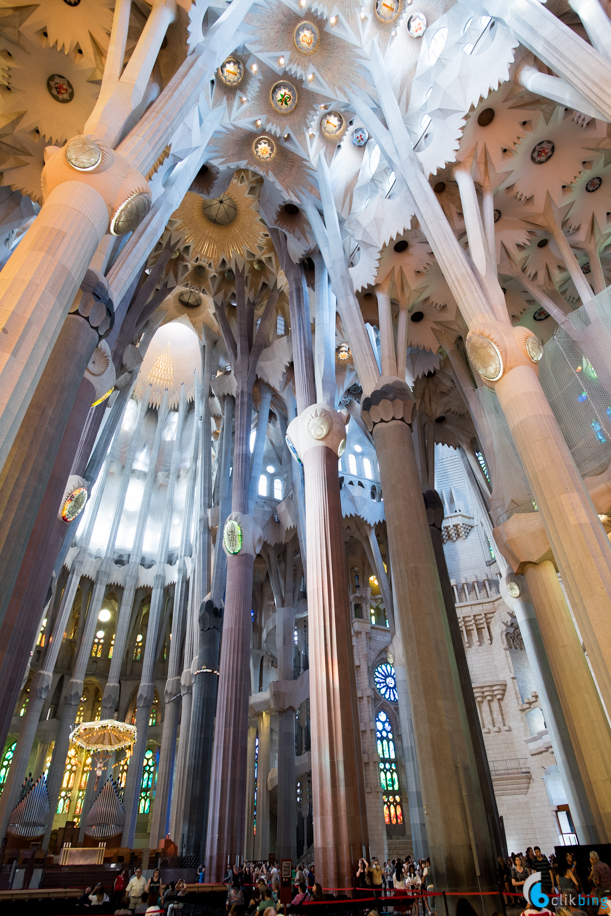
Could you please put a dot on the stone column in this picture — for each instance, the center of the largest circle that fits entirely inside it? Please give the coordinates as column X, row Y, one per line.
column 112, row 689
column 165, row 773
column 591, row 736
column 228, row 776
column 42, row 277
column 338, row 792
column 286, row 798
column 249, row 824
column 519, row 600
column 39, row 690
column 459, row 839
column 186, row 703
column 74, row 691
column 146, row 691
column 475, row 739
column 262, row 849
column 30, row 462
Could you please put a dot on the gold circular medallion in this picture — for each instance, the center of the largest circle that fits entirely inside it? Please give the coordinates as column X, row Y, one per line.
column 306, row 37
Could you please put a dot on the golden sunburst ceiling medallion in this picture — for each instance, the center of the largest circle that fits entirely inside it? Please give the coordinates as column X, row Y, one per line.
column 218, row 228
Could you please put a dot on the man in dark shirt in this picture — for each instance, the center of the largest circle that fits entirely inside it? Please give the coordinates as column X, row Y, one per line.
column 540, row 863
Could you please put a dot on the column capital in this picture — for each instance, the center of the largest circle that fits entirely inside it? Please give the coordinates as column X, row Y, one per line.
column 85, row 160
column 392, row 400
column 93, row 302
column 318, row 426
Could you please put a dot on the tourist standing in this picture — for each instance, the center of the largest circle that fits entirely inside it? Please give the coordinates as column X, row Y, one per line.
column 135, row 889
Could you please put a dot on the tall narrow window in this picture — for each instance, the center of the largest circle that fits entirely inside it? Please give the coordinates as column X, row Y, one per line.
column 82, row 788
column 154, row 711
column 262, row 485
column 483, row 465
column 65, row 795
column 98, row 644
column 80, row 713
column 138, row 648
column 42, row 636
column 112, row 646
column 6, row 763
column 277, row 488
column 389, row 778
column 352, row 465
column 280, row 325
column 147, row 785
column 123, row 772
column 367, row 468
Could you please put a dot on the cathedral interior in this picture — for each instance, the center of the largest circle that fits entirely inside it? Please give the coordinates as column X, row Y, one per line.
column 305, row 432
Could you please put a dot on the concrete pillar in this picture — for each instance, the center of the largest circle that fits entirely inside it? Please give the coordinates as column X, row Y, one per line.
column 161, row 808
column 553, row 713
column 474, row 736
column 262, row 840
column 228, row 776
column 249, row 823
column 42, row 277
column 458, row 834
column 286, row 798
column 39, row 690
column 338, row 792
column 146, row 691
column 591, row 736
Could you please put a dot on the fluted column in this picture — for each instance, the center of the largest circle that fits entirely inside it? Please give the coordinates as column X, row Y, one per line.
column 249, row 825
column 458, row 834
column 41, row 278
column 475, row 742
column 74, row 691
column 225, row 842
column 39, row 690
column 338, row 792
column 591, row 736
column 165, row 772
column 262, row 841
column 146, row 690
column 286, row 804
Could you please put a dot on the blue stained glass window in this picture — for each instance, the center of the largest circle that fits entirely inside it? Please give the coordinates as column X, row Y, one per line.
column 389, row 778
column 385, row 680
column 147, row 785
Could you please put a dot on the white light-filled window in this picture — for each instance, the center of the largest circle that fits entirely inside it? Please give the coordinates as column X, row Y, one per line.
column 437, row 44
column 262, row 485
column 277, row 488
column 352, row 464
column 367, row 468
column 253, row 436
column 358, row 448
column 280, row 325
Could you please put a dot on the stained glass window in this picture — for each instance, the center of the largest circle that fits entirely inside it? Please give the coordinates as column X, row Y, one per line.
column 41, row 636
column 483, row 465
column 154, row 711
column 147, row 785
column 385, row 679
column 98, row 644
column 112, row 646
column 123, row 772
column 138, row 648
column 389, row 777
column 80, row 714
column 6, row 763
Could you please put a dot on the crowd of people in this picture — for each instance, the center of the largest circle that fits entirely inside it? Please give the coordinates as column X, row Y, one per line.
column 254, row 889
column 560, row 880
column 136, row 894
